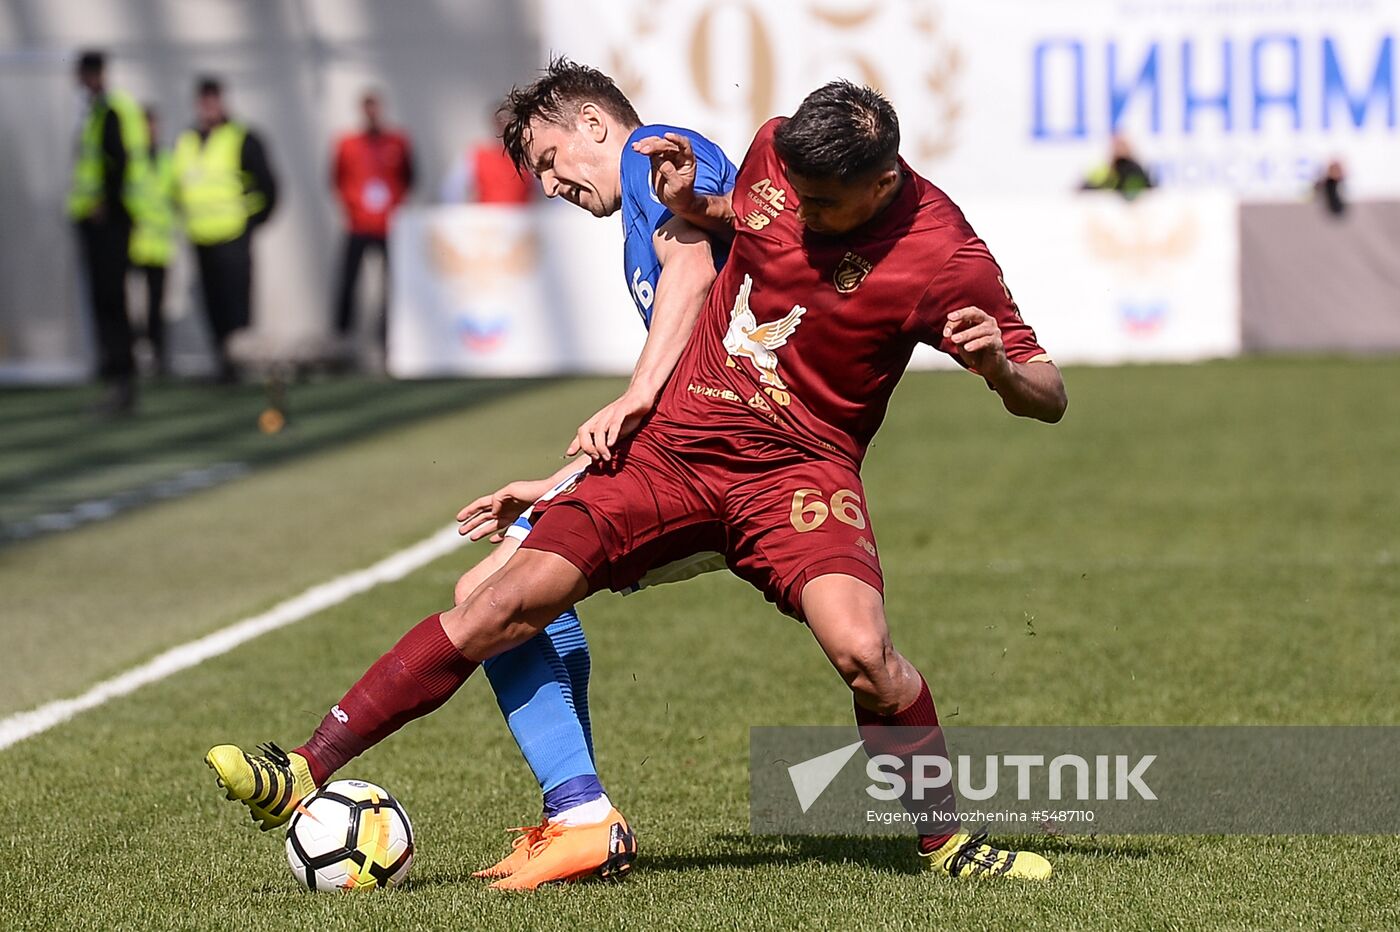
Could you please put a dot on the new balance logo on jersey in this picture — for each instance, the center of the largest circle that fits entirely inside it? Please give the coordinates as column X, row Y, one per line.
column 748, row 339
column 756, row 219
column 339, row 715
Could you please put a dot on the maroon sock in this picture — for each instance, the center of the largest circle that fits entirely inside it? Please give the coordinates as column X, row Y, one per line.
column 910, row 731
column 416, row 676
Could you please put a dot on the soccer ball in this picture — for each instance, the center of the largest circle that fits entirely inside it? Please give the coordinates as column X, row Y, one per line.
column 350, row 835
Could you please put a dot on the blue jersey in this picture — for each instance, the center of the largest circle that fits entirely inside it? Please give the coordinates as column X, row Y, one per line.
column 643, row 214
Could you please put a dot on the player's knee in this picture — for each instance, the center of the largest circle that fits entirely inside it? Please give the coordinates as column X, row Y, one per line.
column 498, row 601
column 867, row 664
column 484, row 623
column 484, row 570
column 472, row 580
column 466, row 585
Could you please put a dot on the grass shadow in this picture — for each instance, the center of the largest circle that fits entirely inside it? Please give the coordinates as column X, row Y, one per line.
column 892, row 855
column 885, row 855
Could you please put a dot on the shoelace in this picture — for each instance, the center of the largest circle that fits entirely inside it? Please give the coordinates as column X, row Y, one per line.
column 528, row 835
column 276, row 764
column 545, row 835
column 276, row 755
column 966, row 855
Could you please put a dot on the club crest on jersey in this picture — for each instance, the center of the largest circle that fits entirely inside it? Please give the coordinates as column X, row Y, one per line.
column 748, row 339
column 850, row 272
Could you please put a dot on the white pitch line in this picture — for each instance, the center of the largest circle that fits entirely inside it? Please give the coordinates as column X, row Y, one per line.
column 17, row 727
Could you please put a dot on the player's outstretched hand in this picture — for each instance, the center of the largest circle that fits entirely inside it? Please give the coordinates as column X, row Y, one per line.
column 492, row 514
column 672, row 170
column 976, row 336
column 599, row 435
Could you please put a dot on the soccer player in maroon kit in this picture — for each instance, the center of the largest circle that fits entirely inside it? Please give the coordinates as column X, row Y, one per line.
column 843, row 260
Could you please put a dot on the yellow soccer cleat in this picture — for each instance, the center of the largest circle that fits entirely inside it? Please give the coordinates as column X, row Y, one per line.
column 966, row 855
column 558, row 853
column 520, row 846
column 269, row 784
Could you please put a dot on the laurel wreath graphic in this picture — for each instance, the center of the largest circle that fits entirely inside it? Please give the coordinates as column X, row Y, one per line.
column 627, row 78
column 1138, row 246
column 941, row 79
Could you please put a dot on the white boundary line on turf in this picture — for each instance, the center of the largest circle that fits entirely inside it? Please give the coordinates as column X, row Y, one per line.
column 22, row 725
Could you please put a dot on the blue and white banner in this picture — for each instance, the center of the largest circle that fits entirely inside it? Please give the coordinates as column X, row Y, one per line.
column 1022, row 96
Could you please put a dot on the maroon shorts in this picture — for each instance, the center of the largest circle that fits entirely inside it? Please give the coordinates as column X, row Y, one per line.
column 781, row 518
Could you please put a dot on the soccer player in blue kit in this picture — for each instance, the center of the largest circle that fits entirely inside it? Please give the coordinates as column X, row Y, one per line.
column 575, row 131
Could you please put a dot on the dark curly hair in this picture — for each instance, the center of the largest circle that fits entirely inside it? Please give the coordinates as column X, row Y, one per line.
column 555, row 97
column 842, row 131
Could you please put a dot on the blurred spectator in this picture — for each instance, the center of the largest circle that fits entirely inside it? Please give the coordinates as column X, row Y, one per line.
column 486, row 175
column 1122, row 172
column 225, row 189
column 372, row 174
column 153, row 238
column 108, row 172
column 1329, row 187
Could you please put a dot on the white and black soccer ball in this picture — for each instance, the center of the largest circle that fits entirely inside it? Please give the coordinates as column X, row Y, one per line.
column 350, row 835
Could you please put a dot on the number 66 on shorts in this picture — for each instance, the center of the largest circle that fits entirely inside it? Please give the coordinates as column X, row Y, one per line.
column 810, row 512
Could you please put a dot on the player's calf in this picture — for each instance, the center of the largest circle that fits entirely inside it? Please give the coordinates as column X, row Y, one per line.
column 847, row 617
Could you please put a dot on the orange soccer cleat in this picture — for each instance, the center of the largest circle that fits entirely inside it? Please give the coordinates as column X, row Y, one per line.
column 557, row 853
column 520, row 847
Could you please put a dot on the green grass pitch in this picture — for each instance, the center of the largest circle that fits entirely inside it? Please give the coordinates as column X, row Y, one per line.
column 1206, row 544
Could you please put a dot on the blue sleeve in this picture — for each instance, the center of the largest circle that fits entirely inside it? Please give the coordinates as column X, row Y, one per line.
column 714, row 173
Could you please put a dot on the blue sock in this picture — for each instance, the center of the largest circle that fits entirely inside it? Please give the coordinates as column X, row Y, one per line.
column 566, row 634
column 542, row 689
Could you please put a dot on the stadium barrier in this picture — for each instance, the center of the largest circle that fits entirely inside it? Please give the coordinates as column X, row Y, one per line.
column 497, row 291
column 1311, row 282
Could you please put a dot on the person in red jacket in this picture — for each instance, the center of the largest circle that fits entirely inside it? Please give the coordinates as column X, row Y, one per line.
column 486, row 175
column 372, row 174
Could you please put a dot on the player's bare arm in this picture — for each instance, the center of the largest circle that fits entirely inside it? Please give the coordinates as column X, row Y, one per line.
column 687, row 271
column 1027, row 389
column 493, row 513
column 673, row 170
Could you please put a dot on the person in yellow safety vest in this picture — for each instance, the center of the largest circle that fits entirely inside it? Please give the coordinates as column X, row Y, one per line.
column 153, row 238
column 224, row 188
column 1122, row 172
column 109, row 169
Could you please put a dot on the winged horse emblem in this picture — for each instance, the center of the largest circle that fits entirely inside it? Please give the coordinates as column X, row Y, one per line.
column 747, row 338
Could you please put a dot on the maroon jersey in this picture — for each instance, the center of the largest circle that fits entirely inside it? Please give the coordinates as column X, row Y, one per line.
column 804, row 336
